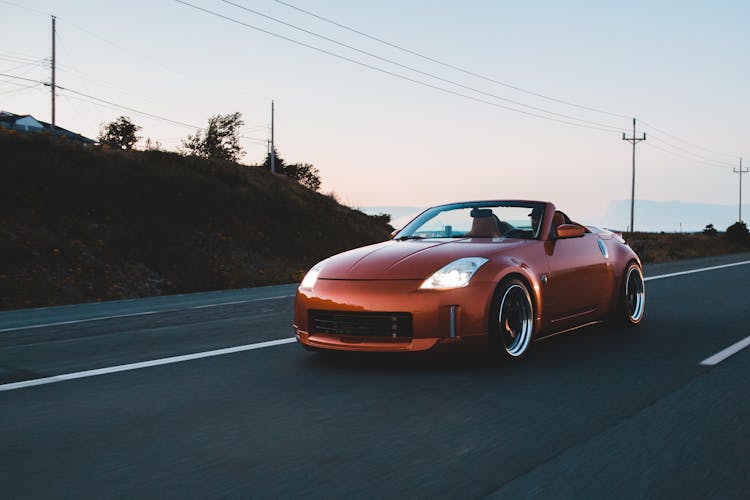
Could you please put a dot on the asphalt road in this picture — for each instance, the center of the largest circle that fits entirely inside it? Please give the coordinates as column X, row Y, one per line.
column 602, row 412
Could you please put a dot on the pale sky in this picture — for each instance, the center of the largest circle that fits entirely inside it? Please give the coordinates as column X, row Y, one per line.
column 679, row 66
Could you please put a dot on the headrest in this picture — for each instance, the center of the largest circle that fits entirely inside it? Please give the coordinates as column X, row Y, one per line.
column 557, row 220
column 481, row 212
column 484, row 227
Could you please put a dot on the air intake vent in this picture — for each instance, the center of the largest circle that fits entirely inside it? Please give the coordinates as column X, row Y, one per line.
column 356, row 324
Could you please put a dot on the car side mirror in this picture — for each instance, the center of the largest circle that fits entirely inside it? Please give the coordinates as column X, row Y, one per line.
column 564, row 231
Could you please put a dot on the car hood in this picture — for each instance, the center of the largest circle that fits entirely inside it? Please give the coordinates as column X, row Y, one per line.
column 410, row 259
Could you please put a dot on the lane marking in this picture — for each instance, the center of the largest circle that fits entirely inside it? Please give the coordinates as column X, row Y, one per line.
column 692, row 271
column 143, row 313
column 241, row 301
column 729, row 351
column 143, row 364
column 74, row 321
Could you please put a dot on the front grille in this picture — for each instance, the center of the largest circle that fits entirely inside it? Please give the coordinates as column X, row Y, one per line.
column 357, row 324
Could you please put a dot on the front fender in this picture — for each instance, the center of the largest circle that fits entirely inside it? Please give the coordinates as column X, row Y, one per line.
column 507, row 266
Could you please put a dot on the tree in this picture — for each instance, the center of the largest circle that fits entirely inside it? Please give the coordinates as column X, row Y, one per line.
column 738, row 233
column 303, row 173
column 306, row 174
column 220, row 140
column 382, row 218
column 153, row 145
column 119, row 134
column 278, row 163
column 710, row 230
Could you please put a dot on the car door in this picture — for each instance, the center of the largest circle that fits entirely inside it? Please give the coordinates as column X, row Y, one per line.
column 576, row 280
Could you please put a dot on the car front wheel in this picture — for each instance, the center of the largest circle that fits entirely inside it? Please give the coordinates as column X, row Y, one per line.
column 512, row 319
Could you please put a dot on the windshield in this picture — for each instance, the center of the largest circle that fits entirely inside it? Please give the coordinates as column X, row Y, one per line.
column 487, row 219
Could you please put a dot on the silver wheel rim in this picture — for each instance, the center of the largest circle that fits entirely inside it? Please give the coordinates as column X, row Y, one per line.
column 515, row 320
column 635, row 294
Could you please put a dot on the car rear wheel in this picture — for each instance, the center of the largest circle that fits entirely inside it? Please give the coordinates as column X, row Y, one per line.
column 512, row 320
column 633, row 301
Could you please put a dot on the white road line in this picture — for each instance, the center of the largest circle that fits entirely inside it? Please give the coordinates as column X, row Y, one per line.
column 74, row 321
column 143, row 364
column 703, row 269
column 729, row 351
column 241, row 301
column 143, row 313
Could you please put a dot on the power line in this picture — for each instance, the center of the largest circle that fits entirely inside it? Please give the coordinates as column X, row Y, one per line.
column 256, row 128
column 514, row 87
column 415, row 70
column 18, row 55
column 255, row 139
column 685, row 157
column 483, row 77
column 24, row 73
column 703, row 159
column 16, row 59
column 22, row 78
column 133, row 110
column 21, row 88
column 70, row 58
column 412, row 52
column 110, row 103
column 391, row 73
column 153, row 61
column 688, row 142
column 25, row 8
column 451, row 66
column 88, row 98
column 598, row 126
column 24, row 65
column 119, row 107
column 69, row 100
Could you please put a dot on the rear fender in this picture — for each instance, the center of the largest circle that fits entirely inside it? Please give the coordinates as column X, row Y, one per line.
column 620, row 255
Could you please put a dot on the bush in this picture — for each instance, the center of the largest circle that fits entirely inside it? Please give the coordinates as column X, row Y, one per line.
column 710, row 230
column 738, row 233
column 382, row 218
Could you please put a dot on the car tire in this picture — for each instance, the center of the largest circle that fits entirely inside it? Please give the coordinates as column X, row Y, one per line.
column 511, row 323
column 632, row 295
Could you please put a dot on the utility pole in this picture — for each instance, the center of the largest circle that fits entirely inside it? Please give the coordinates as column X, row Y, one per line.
column 273, row 150
column 740, row 171
column 634, row 140
column 52, row 83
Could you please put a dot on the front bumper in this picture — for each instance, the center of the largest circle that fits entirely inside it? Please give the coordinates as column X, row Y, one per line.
column 439, row 317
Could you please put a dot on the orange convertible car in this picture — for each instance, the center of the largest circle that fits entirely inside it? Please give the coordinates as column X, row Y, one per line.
column 488, row 274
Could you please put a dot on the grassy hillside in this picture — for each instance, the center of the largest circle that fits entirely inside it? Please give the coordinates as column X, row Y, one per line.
column 664, row 247
column 81, row 225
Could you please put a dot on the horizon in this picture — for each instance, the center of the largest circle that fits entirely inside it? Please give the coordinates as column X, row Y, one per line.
column 380, row 140
column 671, row 216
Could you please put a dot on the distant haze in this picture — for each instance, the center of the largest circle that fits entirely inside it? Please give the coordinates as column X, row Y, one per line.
column 668, row 215
column 400, row 216
column 652, row 216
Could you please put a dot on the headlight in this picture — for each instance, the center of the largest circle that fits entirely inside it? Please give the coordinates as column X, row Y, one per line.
column 308, row 282
column 457, row 274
